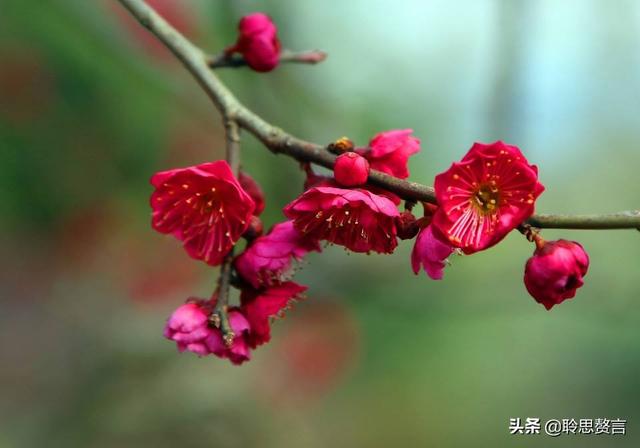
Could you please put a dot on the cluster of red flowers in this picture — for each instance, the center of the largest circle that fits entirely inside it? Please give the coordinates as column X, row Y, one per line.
column 480, row 199
column 209, row 210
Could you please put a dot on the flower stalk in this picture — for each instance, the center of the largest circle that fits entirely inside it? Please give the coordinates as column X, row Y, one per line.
column 220, row 317
column 224, row 60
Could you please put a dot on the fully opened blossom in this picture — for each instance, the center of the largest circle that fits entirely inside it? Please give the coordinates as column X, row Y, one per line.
column 389, row 152
column 260, row 305
column 203, row 206
column 269, row 258
column 258, row 42
column 351, row 169
column 555, row 271
column 356, row 219
column 483, row 197
column 430, row 253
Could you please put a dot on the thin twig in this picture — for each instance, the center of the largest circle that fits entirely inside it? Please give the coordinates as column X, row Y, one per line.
column 278, row 141
column 224, row 60
column 220, row 313
column 232, row 135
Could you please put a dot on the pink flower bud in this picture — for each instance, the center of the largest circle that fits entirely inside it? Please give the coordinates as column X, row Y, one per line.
column 555, row 272
column 253, row 189
column 258, row 42
column 254, row 230
column 407, row 225
column 188, row 327
column 351, row 169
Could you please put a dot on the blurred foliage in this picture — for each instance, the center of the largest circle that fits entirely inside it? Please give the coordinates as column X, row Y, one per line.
column 90, row 107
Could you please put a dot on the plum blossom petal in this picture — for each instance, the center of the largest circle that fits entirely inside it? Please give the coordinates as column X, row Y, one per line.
column 356, row 219
column 188, row 327
column 389, row 151
column 238, row 351
column 261, row 305
column 204, row 206
column 269, row 258
column 431, row 253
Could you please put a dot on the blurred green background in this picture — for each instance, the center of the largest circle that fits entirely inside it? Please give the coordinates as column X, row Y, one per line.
column 90, row 107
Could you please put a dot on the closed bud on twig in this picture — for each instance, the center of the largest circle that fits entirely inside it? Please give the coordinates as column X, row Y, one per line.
column 351, row 169
column 254, row 230
column 407, row 225
column 343, row 144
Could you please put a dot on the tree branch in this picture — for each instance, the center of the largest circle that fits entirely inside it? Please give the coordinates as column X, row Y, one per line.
column 224, row 60
column 280, row 142
column 622, row 220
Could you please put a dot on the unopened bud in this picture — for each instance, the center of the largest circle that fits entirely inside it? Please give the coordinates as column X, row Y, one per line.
column 351, row 169
column 254, row 230
column 407, row 225
column 343, row 144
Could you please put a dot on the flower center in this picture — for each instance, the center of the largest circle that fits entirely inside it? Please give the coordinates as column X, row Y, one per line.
column 486, row 198
column 207, row 202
